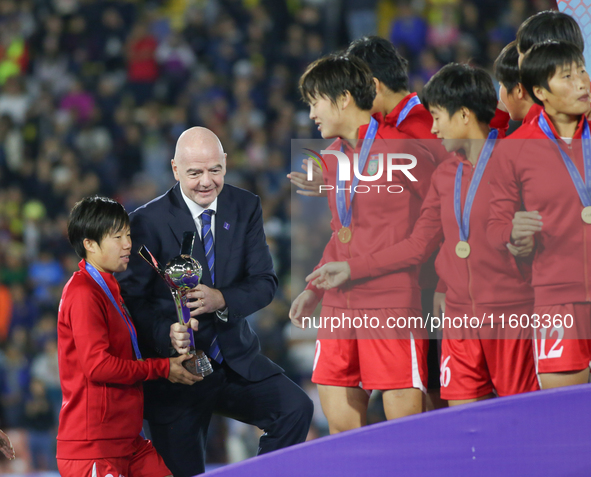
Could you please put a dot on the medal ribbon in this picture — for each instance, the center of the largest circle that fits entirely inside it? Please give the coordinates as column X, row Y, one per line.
column 95, row 274
column 345, row 213
column 412, row 102
column 464, row 220
column 583, row 188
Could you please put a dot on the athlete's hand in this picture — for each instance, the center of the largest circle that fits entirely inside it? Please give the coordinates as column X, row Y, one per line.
column 523, row 247
column 525, row 224
column 330, row 275
column 438, row 304
column 6, row 446
column 178, row 374
column 304, row 304
column 308, row 188
column 179, row 335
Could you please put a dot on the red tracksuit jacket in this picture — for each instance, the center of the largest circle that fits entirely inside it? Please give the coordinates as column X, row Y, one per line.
column 417, row 124
column 379, row 220
column 488, row 281
column 530, row 170
column 103, row 401
column 502, row 118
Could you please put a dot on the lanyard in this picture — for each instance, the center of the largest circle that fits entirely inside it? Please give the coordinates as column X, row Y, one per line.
column 345, row 213
column 95, row 274
column 583, row 188
column 412, row 102
column 464, row 220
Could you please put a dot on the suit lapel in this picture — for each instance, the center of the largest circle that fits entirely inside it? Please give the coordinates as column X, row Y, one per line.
column 226, row 221
column 180, row 222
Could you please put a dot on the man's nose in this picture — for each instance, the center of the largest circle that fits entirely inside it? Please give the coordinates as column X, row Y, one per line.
column 205, row 178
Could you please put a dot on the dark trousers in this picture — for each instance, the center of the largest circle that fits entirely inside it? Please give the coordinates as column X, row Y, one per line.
column 276, row 405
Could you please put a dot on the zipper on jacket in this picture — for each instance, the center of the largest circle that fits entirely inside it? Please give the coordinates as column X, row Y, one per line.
column 468, row 258
column 348, row 293
column 587, row 297
column 470, row 287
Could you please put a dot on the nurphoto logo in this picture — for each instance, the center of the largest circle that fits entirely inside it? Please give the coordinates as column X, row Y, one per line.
column 375, row 168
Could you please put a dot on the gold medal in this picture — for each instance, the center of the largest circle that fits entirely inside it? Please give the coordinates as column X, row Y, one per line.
column 345, row 235
column 586, row 215
column 463, row 249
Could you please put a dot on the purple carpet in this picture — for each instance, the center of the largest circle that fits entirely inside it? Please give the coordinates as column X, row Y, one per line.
column 540, row 433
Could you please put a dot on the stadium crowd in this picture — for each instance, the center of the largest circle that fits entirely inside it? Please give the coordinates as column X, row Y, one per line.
column 94, row 95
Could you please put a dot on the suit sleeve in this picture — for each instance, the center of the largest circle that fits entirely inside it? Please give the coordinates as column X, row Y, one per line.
column 138, row 287
column 423, row 241
column 257, row 286
column 91, row 337
column 506, row 199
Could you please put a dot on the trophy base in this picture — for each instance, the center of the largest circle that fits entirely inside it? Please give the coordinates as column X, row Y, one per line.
column 198, row 364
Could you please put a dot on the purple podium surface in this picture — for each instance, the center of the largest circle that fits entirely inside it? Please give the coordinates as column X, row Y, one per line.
column 539, row 433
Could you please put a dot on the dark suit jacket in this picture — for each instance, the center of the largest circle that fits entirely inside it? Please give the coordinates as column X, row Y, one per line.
column 244, row 274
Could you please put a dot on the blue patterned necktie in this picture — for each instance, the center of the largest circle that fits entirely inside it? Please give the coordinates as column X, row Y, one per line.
column 214, row 350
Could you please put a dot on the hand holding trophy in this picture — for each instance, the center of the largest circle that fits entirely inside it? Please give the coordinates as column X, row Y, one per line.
column 182, row 274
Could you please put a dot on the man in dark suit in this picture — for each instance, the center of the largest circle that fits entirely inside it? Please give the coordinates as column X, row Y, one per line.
column 238, row 279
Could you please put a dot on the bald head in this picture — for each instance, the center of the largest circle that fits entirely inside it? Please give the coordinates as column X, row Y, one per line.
column 199, row 165
column 197, row 140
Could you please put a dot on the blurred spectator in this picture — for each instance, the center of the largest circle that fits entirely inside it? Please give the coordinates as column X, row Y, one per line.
column 110, row 35
column 142, row 68
column 15, row 52
column 14, row 269
column 25, row 311
column 51, row 68
column 361, row 18
column 6, row 313
column 44, row 368
column 78, row 102
column 443, row 32
column 39, row 420
column 46, row 275
column 11, row 144
column 14, row 100
column 409, row 30
column 176, row 59
column 14, row 381
column 129, row 152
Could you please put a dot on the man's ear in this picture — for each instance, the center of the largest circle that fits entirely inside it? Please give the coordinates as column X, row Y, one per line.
column 174, row 170
column 519, row 91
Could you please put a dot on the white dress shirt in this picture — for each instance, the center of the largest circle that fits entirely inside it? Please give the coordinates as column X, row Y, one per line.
column 196, row 211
